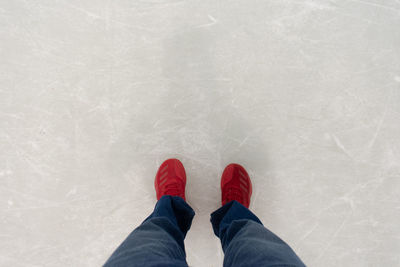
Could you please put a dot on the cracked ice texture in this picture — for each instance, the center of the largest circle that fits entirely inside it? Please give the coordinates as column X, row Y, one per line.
column 94, row 95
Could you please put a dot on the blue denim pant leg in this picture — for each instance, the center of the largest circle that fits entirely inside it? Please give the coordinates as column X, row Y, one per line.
column 158, row 241
column 246, row 242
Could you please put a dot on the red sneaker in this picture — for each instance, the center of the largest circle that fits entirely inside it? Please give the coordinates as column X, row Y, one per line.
column 170, row 179
column 236, row 185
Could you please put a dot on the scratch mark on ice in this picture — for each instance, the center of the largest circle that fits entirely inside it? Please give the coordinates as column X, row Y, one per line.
column 213, row 21
column 341, row 146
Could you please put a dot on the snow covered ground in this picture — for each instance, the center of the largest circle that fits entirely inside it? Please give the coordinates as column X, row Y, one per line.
column 94, row 95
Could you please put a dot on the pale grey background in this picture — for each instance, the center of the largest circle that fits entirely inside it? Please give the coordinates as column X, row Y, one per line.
column 94, row 95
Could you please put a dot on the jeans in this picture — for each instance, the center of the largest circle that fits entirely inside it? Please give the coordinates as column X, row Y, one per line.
column 158, row 241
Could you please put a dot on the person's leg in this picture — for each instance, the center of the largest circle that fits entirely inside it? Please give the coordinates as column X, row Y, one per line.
column 245, row 241
column 158, row 241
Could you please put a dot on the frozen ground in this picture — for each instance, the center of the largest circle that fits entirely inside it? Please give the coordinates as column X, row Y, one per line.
column 94, row 95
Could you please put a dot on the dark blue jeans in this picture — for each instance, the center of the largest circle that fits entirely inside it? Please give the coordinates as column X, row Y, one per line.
column 158, row 241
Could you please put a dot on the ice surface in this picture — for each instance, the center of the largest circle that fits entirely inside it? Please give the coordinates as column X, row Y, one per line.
column 94, row 95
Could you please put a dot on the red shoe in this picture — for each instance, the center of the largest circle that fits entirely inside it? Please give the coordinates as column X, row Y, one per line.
column 170, row 179
column 236, row 185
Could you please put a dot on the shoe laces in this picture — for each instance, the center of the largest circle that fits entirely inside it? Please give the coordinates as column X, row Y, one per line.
column 172, row 189
column 234, row 193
